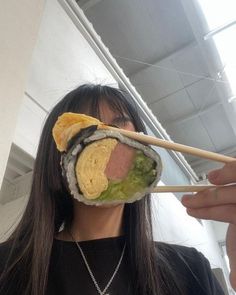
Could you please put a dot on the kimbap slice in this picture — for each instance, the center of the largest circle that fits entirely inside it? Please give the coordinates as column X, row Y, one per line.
column 102, row 166
column 108, row 168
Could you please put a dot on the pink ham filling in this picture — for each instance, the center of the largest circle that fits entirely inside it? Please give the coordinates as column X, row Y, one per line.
column 120, row 162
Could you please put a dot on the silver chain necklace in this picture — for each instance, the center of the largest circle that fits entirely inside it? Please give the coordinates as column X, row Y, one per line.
column 91, row 273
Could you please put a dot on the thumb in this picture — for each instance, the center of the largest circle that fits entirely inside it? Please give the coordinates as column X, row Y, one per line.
column 225, row 175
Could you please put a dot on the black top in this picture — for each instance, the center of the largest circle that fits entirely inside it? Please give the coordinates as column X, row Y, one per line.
column 68, row 274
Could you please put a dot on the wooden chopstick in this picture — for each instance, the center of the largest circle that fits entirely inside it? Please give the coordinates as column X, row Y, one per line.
column 182, row 188
column 171, row 145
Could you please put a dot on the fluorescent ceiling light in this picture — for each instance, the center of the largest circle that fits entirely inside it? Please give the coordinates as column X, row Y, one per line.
column 231, row 99
column 227, row 47
column 219, row 29
column 218, row 14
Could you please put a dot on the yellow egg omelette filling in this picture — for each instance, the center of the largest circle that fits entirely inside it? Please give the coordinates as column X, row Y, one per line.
column 69, row 124
column 91, row 165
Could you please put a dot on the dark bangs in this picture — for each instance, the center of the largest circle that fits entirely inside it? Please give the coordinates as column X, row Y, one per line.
column 87, row 98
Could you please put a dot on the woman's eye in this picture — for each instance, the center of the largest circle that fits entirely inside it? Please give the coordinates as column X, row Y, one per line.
column 121, row 122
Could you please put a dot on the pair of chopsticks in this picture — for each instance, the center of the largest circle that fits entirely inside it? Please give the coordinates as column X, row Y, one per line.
column 179, row 148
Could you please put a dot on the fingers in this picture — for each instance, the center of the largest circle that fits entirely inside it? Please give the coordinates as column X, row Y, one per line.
column 211, row 197
column 225, row 175
column 218, row 204
column 225, row 213
column 231, row 251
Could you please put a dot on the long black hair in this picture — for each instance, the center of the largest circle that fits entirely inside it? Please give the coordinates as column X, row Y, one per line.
column 50, row 206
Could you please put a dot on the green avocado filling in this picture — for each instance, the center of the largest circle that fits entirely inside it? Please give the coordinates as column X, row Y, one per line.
column 142, row 174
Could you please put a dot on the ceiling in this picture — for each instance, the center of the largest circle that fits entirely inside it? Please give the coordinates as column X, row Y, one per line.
column 18, row 175
column 19, row 164
column 159, row 45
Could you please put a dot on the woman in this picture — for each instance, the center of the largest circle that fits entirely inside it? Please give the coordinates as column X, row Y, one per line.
column 99, row 250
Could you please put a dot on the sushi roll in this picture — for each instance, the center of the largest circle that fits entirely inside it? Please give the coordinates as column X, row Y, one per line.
column 102, row 166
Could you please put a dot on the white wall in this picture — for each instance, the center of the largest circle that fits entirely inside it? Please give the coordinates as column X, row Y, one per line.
column 19, row 23
column 62, row 60
column 10, row 214
column 220, row 230
column 17, row 189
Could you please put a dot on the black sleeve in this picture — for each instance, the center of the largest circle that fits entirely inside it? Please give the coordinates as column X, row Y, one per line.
column 199, row 274
column 212, row 281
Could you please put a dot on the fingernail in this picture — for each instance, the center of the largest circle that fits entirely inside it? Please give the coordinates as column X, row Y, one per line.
column 189, row 210
column 213, row 174
column 185, row 198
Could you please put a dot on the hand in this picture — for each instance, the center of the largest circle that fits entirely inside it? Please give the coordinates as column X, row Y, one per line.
column 219, row 204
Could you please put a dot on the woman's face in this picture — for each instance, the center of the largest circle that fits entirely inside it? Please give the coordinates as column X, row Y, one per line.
column 122, row 156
